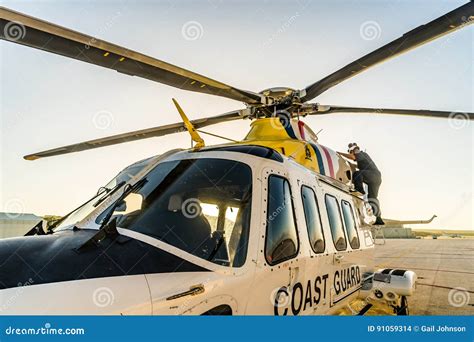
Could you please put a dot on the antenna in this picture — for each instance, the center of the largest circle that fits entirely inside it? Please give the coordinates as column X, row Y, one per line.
column 189, row 126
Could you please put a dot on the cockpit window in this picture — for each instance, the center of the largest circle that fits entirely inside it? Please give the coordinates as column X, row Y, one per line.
column 129, row 172
column 84, row 210
column 201, row 206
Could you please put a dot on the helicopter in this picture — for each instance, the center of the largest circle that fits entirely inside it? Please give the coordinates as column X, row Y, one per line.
column 269, row 225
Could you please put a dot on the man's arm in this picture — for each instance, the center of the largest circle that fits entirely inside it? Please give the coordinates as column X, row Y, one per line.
column 347, row 155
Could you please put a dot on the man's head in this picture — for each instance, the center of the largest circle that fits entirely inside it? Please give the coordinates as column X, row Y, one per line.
column 353, row 148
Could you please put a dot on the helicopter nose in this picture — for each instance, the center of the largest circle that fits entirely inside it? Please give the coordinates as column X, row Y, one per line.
column 58, row 257
column 23, row 260
column 12, row 265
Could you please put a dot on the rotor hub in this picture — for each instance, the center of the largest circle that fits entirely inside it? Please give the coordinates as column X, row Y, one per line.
column 279, row 99
column 278, row 95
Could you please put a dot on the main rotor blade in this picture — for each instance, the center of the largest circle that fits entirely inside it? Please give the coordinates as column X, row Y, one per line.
column 323, row 109
column 137, row 135
column 437, row 28
column 23, row 29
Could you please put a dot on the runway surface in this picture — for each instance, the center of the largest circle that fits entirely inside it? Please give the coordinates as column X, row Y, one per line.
column 445, row 269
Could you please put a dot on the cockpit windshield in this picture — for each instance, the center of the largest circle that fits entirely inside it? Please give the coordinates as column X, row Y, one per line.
column 201, row 206
column 118, row 181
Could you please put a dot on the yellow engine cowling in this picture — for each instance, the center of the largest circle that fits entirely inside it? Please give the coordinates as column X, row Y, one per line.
column 296, row 140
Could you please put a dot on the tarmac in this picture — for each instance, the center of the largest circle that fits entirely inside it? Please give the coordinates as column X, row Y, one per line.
column 445, row 270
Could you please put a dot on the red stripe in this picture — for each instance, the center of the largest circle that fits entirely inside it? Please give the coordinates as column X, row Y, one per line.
column 301, row 127
column 328, row 157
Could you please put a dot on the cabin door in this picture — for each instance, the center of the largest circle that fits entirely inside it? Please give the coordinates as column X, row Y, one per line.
column 277, row 286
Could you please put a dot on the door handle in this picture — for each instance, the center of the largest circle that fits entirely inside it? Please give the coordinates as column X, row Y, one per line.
column 193, row 290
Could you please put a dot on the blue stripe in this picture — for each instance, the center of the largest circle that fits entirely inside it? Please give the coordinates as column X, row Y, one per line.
column 288, row 128
column 320, row 159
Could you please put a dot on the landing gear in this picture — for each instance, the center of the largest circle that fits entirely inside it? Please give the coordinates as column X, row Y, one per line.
column 365, row 309
column 402, row 309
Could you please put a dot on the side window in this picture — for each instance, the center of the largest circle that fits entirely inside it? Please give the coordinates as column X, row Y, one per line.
column 313, row 219
column 281, row 240
column 335, row 222
column 350, row 225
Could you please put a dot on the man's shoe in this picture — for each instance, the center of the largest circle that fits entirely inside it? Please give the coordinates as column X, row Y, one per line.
column 379, row 221
column 360, row 191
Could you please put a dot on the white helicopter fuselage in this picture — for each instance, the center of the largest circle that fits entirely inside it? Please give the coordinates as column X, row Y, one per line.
column 306, row 282
column 268, row 233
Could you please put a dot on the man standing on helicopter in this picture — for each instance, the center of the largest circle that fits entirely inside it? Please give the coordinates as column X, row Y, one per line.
column 367, row 173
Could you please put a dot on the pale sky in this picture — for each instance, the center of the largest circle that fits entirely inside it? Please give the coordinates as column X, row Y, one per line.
column 49, row 101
